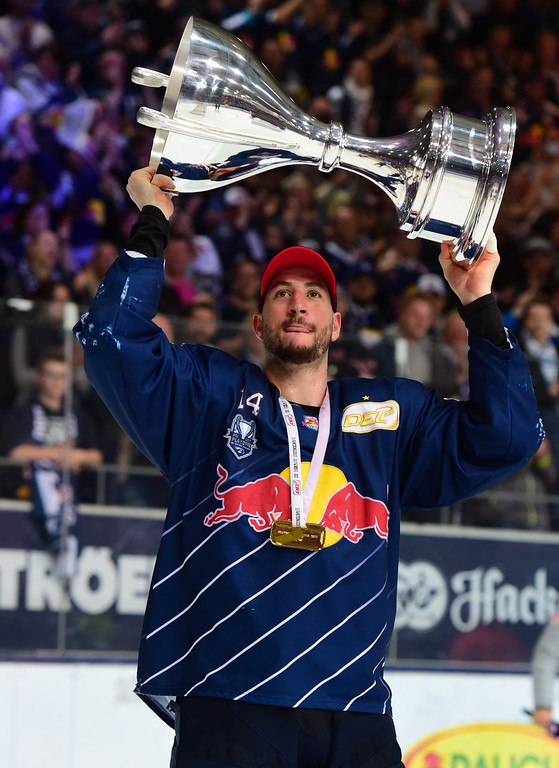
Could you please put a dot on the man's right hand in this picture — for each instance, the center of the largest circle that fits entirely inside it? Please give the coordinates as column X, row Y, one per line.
column 145, row 187
column 542, row 716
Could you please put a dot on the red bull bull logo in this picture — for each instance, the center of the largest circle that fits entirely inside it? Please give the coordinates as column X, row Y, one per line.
column 349, row 513
column 262, row 501
column 337, row 504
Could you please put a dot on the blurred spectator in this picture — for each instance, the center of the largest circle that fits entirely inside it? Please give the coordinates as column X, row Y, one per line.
column 244, row 295
column 56, row 446
column 21, row 142
column 362, row 313
column 299, row 217
column 455, row 338
column 240, row 305
column 408, row 350
column 83, row 30
column 547, row 227
column 344, row 246
column 45, row 260
column 113, row 86
column 427, row 93
column 541, row 172
column 537, row 272
column 350, row 357
column 88, row 279
column 317, row 57
column 257, row 18
column 42, row 82
column 539, row 339
column 545, row 667
column 28, row 220
column 399, row 268
column 235, row 235
column 337, row 189
column 12, row 102
column 178, row 287
column 399, row 68
column 353, row 98
column 206, row 268
column 502, row 57
column 21, row 34
column 433, row 287
column 201, row 324
column 547, row 61
column 277, row 60
column 39, row 329
column 481, row 93
column 449, row 21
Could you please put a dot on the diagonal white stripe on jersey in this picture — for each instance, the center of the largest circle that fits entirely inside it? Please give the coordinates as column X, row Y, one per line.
column 185, row 514
column 314, row 645
column 285, row 621
column 187, row 558
column 342, row 669
column 232, row 613
column 208, row 585
column 370, row 688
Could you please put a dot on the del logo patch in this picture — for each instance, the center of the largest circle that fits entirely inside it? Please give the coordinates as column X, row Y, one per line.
column 241, row 438
column 368, row 416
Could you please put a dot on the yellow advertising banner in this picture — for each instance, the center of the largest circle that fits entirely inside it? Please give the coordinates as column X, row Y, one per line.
column 485, row 745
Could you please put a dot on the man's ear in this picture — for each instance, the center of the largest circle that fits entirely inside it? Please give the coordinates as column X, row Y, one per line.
column 336, row 326
column 257, row 325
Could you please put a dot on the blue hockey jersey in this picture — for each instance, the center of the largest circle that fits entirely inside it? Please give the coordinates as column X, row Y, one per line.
column 229, row 614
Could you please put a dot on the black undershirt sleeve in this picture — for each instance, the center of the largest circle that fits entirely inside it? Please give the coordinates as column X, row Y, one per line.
column 150, row 234
column 483, row 318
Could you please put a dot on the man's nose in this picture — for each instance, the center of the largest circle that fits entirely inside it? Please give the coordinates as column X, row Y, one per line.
column 297, row 307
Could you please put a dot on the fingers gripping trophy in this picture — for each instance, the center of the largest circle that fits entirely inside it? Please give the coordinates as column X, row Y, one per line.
column 224, row 117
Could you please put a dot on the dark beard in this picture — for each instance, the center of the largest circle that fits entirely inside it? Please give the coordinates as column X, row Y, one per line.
column 292, row 354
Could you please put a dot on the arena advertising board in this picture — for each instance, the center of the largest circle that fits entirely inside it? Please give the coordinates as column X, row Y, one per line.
column 485, row 745
column 100, row 609
column 474, row 595
column 464, row 596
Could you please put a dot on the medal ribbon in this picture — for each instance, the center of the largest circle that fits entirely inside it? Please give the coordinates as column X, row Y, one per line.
column 301, row 498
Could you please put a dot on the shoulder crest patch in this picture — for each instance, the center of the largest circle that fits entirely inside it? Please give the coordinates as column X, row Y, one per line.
column 241, row 438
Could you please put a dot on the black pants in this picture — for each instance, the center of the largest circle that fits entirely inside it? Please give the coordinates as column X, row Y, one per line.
column 218, row 733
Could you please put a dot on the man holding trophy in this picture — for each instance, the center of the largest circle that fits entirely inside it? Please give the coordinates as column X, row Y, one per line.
column 273, row 597
column 274, row 592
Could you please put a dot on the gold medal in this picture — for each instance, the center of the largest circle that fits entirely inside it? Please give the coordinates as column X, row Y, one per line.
column 284, row 534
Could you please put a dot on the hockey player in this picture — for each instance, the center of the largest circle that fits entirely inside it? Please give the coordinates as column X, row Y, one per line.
column 545, row 667
column 274, row 592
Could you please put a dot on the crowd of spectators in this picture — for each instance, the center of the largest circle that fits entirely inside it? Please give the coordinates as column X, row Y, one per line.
column 69, row 140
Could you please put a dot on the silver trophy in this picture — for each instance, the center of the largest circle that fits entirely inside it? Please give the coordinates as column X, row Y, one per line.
column 224, row 117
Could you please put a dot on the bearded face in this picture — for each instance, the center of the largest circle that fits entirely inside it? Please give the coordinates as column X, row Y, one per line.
column 292, row 349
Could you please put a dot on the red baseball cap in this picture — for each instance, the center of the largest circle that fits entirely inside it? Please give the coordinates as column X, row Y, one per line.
column 298, row 256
